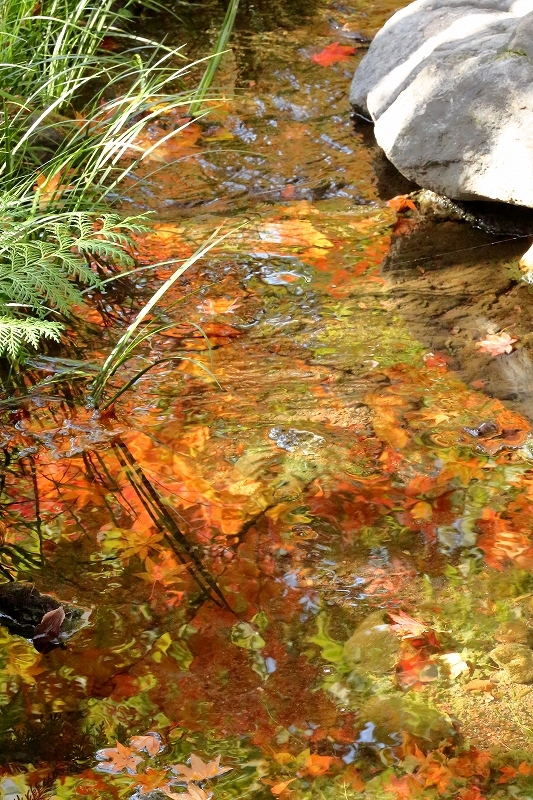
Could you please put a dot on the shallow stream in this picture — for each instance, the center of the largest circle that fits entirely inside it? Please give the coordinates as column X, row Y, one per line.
column 296, row 545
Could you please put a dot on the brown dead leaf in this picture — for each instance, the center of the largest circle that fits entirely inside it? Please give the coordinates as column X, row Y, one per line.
column 478, row 686
column 48, row 629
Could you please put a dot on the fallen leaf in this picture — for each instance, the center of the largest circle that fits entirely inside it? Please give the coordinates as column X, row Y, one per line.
column 193, row 793
column 333, row 53
column 150, row 742
column 508, row 774
column 51, row 187
column 478, row 685
column 496, row 344
column 48, row 629
column 406, row 625
column 115, row 759
column 153, row 779
column 219, row 305
column 318, row 765
column 352, row 777
column 279, row 788
column 200, row 771
column 401, row 202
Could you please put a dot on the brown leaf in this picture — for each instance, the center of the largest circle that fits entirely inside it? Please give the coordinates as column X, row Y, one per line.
column 150, row 742
column 279, row 788
column 478, row 686
column 200, row 771
column 48, row 629
column 115, row 759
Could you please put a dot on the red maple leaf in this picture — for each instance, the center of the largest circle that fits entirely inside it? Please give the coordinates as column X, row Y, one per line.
column 333, row 53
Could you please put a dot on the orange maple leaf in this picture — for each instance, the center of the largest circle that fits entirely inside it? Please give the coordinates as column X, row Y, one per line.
column 219, row 305
column 318, row 765
column 279, row 788
column 199, row 770
column 115, row 759
column 193, row 793
column 333, row 53
column 401, row 202
column 150, row 742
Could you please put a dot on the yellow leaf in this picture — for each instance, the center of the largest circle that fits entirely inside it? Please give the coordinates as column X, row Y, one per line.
column 422, row 510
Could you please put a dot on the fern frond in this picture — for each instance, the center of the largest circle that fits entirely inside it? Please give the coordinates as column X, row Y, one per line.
column 43, row 258
column 17, row 334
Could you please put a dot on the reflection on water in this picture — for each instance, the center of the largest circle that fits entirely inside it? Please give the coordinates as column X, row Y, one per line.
column 318, row 565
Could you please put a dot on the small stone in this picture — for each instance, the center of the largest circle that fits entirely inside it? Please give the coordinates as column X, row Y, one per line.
column 516, row 659
column 514, row 632
column 372, row 647
column 387, row 718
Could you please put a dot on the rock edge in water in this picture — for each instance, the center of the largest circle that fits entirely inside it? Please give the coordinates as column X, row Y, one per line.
column 450, row 89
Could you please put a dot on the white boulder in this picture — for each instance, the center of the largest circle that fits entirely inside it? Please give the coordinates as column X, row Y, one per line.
column 449, row 86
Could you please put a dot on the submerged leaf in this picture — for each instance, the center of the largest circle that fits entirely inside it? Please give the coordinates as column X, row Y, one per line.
column 116, row 759
column 193, row 793
column 333, row 53
column 199, row 770
column 48, row 629
column 150, row 742
column 279, row 788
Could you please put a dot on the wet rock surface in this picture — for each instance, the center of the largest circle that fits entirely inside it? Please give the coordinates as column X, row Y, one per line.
column 449, row 89
column 22, row 608
column 373, row 647
column 516, row 660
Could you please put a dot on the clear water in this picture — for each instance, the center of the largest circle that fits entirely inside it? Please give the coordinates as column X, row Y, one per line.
column 244, row 524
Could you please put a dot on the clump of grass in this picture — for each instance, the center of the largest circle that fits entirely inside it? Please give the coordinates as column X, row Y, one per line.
column 214, row 62
column 60, row 165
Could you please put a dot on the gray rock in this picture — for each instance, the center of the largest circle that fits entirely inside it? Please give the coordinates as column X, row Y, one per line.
column 450, row 89
column 387, row 718
column 372, row 647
